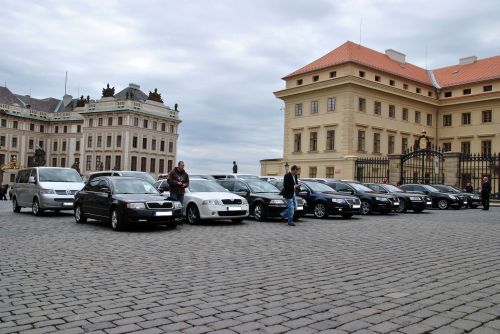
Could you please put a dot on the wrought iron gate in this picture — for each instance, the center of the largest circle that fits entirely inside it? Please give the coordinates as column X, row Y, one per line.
column 372, row 169
column 422, row 165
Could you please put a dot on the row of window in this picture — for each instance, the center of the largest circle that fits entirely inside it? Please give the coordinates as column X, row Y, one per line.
column 392, row 82
column 468, row 91
column 330, row 106
column 135, row 142
column 155, row 165
column 465, row 147
column 466, row 118
column 315, row 78
column 146, row 124
column 313, row 141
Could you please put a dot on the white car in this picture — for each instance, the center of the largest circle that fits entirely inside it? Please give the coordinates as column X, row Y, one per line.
column 208, row 200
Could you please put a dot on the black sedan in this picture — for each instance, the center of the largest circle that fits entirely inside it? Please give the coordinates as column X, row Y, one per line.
column 440, row 199
column 264, row 198
column 371, row 201
column 473, row 200
column 407, row 201
column 323, row 201
column 124, row 201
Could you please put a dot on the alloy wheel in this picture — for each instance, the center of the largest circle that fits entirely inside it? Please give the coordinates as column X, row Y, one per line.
column 258, row 212
column 319, row 210
column 366, row 207
column 443, row 204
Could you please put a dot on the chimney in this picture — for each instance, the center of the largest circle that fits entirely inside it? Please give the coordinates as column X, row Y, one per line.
column 67, row 99
column 395, row 55
column 467, row 60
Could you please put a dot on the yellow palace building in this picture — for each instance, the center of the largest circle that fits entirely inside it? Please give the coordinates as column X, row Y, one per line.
column 357, row 102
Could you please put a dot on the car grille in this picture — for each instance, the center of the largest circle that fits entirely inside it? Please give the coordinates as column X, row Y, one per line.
column 66, row 192
column 353, row 201
column 231, row 201
column 159, row 205
column 231, row 213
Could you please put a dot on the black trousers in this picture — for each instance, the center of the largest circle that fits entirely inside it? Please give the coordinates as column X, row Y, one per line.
column 485, row 200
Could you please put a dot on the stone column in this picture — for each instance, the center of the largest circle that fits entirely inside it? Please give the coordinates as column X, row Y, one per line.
column 394, row 168
column 451, row 168
column 348, row 172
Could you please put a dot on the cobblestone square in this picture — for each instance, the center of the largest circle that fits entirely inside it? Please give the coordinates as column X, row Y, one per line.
column 435, row 272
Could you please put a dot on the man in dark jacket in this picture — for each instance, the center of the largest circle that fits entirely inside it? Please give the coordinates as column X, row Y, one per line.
column 290, row 185
column 235, row 167
column 485, row 193
column 178, row 180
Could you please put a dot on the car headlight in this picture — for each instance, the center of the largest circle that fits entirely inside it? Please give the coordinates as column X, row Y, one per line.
column 136, row 205
column 338, row 200
column 277, row 202
column 475, row 197
column 382, row 199
column 211, row 202
column 452, row 197
column 415, row 198
column 244, row 201
column 47, row 191
column 177, row 205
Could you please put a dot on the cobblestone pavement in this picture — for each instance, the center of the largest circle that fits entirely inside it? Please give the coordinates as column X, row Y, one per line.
column 436, row 272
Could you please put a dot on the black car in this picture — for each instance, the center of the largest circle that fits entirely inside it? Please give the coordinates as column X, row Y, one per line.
column 323, row 201
column 263, row 198
column 473, row 200
column 407, row 201
column 124, row 201
column 371, row 201
column 440, row 199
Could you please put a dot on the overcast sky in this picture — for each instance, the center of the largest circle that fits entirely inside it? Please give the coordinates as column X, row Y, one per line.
column 221, row 60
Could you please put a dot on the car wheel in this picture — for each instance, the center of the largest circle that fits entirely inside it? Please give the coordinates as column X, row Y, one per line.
column 237, row 220
column 79, row 216
column 402, row 208
column 258, row 212
column 366, row 208
column 192, row 214
column 35, row 208
column 347, row 215
column 16, row 208
column 418, row 210
column 320, row 211
column 116, row 220
column 443, row 204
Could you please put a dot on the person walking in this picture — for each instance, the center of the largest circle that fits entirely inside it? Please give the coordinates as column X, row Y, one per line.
column 469, row 188
column 235, row 167
column 178, row 180
column 290, row 185
column 3, row 192
column 485, row 193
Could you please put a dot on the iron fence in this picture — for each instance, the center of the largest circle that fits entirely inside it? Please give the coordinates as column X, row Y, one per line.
column 473, row 167
column 372, row 169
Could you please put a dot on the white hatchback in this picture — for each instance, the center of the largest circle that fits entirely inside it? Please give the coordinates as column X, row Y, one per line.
column 208, row 200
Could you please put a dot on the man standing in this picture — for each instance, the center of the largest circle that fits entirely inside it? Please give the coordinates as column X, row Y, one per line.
column 290, row 184
column 178, row 180
column 485, row 193
column 235, row 167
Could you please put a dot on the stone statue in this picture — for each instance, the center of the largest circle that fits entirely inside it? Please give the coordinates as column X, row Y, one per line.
column 80, row 102
column 155, row 96
column 39, row 157
column 108, row 92
column 126, row 95
column 176, row 106
column 88, row 98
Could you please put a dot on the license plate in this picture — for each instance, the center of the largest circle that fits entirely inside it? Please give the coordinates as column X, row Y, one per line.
column 465, row 202
column 396, row 203
column 300, row 208
column 163, row 213
column 356, row 206
column 234, row 208
column 68, row 204
column 429, row 203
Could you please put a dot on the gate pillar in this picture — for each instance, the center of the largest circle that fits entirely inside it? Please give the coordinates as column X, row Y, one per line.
column 451, row 168
column 394, row 168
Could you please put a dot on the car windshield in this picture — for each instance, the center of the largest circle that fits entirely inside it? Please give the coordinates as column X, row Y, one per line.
column 319, row 187
column 392, row 189
column 140, row 175
column 444, row 188
column 360, row 187
column 58, row 175
column 133, row 186
column 430, row 188
column 205, row 186
column 262, row 187
column 202, row 176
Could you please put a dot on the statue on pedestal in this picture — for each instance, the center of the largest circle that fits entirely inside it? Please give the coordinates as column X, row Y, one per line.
column 155, row 96
column 108, row 92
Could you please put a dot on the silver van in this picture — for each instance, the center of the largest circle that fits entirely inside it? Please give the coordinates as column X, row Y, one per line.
column 45, row 188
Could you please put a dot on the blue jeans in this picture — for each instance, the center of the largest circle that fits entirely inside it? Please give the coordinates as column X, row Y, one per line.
column 289, row 211
column 177, row 197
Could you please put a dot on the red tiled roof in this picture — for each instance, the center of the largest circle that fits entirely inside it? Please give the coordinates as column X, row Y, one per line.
column 481, row 70
column 352, row 52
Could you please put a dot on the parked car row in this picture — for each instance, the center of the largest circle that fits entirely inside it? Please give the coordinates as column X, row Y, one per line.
column 131, row 197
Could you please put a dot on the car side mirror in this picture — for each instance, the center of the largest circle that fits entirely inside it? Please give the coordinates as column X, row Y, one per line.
column 106, row 190
column 31, row 179
column 304, row 193
column 243, row 193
